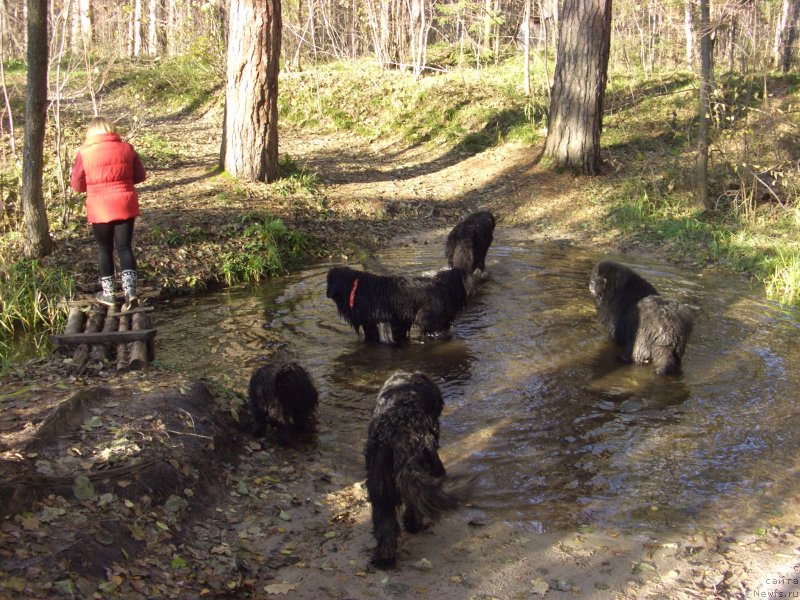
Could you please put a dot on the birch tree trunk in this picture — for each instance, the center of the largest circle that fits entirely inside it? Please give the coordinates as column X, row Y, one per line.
column 152, row 28
column 172, row 19
column 526, row 45
column 579, row 83
column 37, row 242
column 786, row 36
column 137, row 27
column 777, row 46
column 706, row 76
column 251, row 114
column 688, row 28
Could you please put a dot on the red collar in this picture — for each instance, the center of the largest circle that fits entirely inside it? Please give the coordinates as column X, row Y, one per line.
column 353, row 292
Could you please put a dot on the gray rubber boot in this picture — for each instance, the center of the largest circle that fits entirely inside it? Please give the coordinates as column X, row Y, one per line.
column 129, row 281
column 106, row 295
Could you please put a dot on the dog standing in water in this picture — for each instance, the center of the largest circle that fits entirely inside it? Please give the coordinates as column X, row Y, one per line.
column 651, row 328
column 403, row 465
column 469, row 241
column 391, row 304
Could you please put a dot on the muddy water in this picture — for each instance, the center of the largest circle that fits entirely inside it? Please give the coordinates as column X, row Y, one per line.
column 536, row 401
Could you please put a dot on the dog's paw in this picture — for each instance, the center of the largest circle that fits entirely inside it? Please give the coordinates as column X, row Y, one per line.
column 383, row 562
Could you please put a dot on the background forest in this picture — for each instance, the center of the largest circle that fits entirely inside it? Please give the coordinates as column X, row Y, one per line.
column 466, row 75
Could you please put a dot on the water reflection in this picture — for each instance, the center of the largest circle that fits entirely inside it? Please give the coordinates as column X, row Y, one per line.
column 536, row 400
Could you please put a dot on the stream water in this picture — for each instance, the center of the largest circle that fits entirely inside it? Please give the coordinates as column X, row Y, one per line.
column 537, row 403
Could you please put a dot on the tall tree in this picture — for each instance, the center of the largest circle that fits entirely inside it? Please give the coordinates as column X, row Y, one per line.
column 786, row 35
column 688, row 29
column 579, row 85
column 706, row 76
column 37, row 243
column 251, row 112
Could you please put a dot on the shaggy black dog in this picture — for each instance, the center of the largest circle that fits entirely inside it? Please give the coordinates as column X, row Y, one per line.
column 469, row 242
column 282, row 394
column 403, row 465
column 650, row 327
column 372, row 302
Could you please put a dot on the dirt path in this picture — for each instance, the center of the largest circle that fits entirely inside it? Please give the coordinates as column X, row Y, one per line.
column 267, row 521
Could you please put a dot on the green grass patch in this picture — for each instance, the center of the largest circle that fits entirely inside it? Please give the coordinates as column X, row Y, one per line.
column 14, row 65
column 268, row 249
column 468, row 111
column 181, row 83
column 155, row 149
column 766, row 247
column 31, row 299
column 294, row 179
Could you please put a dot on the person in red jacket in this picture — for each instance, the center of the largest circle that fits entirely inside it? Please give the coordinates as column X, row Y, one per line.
column 107, row 168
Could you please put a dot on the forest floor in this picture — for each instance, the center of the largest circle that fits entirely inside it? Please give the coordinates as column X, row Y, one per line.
column 142, row 485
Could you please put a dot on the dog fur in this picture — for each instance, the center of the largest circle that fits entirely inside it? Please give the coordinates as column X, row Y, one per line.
column 651, row 328
column 403, row 465
column 469, row 241
column 377, row 303
column 283, row 394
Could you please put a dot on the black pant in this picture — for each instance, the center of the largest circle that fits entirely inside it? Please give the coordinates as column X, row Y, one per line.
column 119, row 235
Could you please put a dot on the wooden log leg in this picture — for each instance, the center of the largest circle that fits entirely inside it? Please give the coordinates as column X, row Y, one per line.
column 81, row 354
column 122, row 349
column 75, row 323
column 138, row 358
column 102, row 352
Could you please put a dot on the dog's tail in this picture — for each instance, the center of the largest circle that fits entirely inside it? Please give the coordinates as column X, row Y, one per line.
column 431, row 496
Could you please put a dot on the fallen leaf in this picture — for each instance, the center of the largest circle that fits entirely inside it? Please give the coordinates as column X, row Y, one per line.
column 279, row 588
column 30, row 523
column 83, row 488
column 539, row 586
column 177, row 562
column 15, row 583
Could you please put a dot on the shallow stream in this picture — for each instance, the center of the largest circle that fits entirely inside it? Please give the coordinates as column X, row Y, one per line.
column 560, row 431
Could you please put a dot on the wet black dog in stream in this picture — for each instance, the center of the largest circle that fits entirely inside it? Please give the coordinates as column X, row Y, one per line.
column 469, row 241
column 386, row 306
column 651, row 328
column 403, row 465
column 282, row 394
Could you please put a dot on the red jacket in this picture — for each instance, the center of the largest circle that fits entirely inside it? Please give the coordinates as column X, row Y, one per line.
column 106, row 168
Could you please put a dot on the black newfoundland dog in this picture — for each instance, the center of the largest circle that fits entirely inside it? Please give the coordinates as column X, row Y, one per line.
column 403, row 465
column 376, row 303
column 469, row 242
column 652, row 329
column 282, row 394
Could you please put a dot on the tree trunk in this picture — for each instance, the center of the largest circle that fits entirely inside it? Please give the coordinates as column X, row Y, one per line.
column 688, row 27
column 487, row 23
column 706, row 75
column 251, row 116
column 789, row 37
column 172, row 34
column 75, row 26
column 579, row 83
column 152, row 28
column 38, row 243
column 780, row 29
column 526, row 42
column 137, row 28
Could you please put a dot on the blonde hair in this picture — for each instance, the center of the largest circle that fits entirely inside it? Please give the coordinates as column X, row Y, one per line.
column 98, row 125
